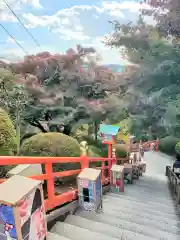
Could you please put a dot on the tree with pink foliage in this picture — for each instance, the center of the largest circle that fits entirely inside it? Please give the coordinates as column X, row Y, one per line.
column 65, row 90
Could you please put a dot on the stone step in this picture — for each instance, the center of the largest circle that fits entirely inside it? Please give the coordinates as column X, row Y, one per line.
column 138, row 207
column 54, row 236
column 140, row 193
column 160, row 201
column 128, row 225
column 152, row 187
column 147, row 179
column 120, row 210
column 105, row 229
column 152, row 182
column 163, row 226
column 169, row 209
column 77, row 233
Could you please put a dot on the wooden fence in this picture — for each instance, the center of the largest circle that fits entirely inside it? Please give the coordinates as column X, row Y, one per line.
column 174, row 183
column 54, row 200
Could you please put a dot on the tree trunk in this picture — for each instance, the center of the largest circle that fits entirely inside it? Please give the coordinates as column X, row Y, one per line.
column 18, row 131
column 96, row 126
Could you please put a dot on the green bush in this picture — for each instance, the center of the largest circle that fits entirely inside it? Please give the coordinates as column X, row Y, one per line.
column 167, row 144
column 121, row 150
column 8, row 140
column 94, row 151
column 177, row 148
column 53, row 144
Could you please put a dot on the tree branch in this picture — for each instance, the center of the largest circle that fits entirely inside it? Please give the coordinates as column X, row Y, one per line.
column 36, row 123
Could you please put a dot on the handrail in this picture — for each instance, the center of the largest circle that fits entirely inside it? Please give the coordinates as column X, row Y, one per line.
column 174, row 183
column 147, row 145
column 54, row 200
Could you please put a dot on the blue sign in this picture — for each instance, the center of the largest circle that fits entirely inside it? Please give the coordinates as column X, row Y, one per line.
column 108, row 129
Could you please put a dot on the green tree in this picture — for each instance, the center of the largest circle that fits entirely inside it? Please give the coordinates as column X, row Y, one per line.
column 13, row 99
column 65, row 91
column 8, row 140
column 154, row 88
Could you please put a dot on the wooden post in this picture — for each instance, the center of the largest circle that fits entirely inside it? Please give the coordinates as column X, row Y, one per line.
column 178, row 194
column 103, row 172
column 109, row 150
column 122, row 182
column 157, row 145
column 50, row 181
column 84, row 161
column 109, row 161
column 167, row 169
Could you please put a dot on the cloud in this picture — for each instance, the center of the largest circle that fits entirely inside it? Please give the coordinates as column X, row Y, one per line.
column 132, row 6
column 17, row 5
column 79, row 22
column 34, row 3
column 68, row 34
column 66, row 22
column 116, row 9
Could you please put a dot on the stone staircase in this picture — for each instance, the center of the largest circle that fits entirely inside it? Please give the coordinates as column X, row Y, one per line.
column 144, row 211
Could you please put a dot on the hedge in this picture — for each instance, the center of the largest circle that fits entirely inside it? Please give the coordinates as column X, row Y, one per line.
column 53, row 144
column 167, row 144
column 177, row 148
column 8, row 140
column 121, row 150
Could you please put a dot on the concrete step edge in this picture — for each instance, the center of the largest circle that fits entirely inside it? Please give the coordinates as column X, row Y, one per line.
column 136, row 212
column 166, row 208
column 128, row 224
column 54, row 236
column 133, row 190
column 160, row 201
column 77, row 233
column 164, row 226
column 105, row 228
column 150, row 210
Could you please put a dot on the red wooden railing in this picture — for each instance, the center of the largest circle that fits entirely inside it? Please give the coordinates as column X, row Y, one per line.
column 147, row 145
column 54, row 200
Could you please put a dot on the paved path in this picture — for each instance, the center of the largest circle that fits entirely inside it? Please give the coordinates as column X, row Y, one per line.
column 145, row 211
column 156, row 164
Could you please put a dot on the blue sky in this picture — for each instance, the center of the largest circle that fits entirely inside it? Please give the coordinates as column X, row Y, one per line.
column 59, row 25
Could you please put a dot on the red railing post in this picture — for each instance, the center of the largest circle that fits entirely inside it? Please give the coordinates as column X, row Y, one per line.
column 109, row 160
column 84, row 162
column 50, row 180
column 103, row 172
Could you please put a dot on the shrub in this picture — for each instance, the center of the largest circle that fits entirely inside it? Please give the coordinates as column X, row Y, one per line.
column 177, row 148
column 53, row 144
column 121, row 150
column 94, row 151
column 8, row 140
column 167, row 144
